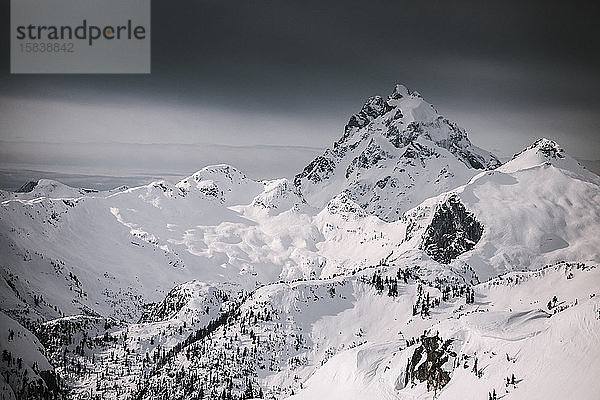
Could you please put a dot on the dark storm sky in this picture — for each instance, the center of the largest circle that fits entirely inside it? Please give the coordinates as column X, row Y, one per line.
column 291, row 73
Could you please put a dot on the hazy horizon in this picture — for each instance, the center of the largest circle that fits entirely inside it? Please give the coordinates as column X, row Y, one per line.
column 14, row 171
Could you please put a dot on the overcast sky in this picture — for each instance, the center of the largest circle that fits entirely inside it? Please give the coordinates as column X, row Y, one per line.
column 286, row 76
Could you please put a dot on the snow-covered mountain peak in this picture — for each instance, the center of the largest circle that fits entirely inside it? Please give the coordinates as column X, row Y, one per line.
column 412, row 105
column 279, row 195
column 548, row 152
column 400, row 108
column 399, row 91
column 27, row 187
column 222, row 182
column 218, row 172
column 541, row 150
column 51, row 189
column 343, row 205
column 394, row 153
column 549, row 148
column 47, row 187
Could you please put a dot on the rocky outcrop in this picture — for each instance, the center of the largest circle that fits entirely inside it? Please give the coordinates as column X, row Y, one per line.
column 374, row 107
column 452, row 231
column 546, row 147
column 427, row 363
column 318, row 170
column 27, row 187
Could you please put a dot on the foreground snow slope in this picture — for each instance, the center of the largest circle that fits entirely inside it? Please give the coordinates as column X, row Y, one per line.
column 23, row 363
column 508, row 330
column 348, row 338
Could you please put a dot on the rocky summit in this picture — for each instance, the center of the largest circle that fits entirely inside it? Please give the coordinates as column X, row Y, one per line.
column 394, row 154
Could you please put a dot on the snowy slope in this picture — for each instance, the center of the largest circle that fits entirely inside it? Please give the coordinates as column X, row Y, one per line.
column 534, row 210
column 174, row 233
column 347, row 338
column 24, row 369
column 508, row 330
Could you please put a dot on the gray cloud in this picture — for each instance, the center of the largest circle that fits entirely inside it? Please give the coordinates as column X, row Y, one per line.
column 291, row 73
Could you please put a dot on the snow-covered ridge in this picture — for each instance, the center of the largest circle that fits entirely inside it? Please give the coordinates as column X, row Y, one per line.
column 546, row 151
column 222, row 182
column 528, row 215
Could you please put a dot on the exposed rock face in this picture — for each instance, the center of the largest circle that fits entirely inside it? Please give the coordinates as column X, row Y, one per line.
column 452, row 231
column 546, row 147
column 427, row 362
column 319, row 169
column 175, row 300
column 373, row 108
column 27, row 187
